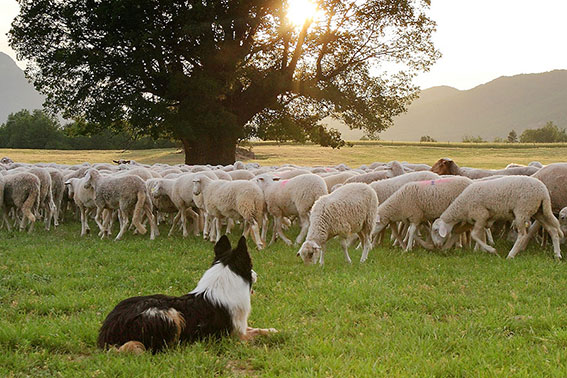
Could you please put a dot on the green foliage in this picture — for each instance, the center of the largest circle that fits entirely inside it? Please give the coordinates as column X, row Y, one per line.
column 37, row 130
column 427, row 138
column 512, row 137
column 471, row 139
column 208, row 72
column 550, row 133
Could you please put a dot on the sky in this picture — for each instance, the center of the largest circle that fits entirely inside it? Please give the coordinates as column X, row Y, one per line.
column 480, row 40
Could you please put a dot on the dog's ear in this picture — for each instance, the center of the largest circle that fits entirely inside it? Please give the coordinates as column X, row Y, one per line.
column 241, row 252
column 223, row 246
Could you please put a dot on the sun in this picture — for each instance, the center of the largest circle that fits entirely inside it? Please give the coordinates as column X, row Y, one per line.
column 300, row 11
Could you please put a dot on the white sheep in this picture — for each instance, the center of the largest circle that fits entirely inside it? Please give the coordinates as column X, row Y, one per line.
column 293, row 197
column 233, row 200
column 83, row 197
column 517, row 198
column 349, row 210
column 418, row 202
column 385, row 188
column 127, row 194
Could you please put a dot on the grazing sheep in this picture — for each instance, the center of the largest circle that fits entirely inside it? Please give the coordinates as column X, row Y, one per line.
column 385, row 188
column 125, row 193
column 83, row 197
column 418, row 202
column 517, row 198
column 554, row 176
column 233, row 200
column 369, row 178
column 349, row 210
column 241, row 174
column 21, row 192
column 446, row 166
column 293, row 197
column 338, row 178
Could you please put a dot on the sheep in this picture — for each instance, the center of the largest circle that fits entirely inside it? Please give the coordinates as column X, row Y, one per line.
column 351, row 209
column 293, row 197
column 125, row 193
column 241, row 174
column 369, row 178
column 338, row 178
column 446, row 166
column 84, row 198
column 232, row 199
column 57, row 192
column 417, row 202
column 516, row 198
column 554, row 176
column 176, row 193
column 21, row 192
column 385, row 188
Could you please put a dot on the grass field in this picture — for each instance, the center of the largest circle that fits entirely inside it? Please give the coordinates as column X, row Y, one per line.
column 453, row 313
column 476, row 155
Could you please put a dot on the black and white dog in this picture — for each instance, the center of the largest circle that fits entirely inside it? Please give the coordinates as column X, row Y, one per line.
column 219, row 305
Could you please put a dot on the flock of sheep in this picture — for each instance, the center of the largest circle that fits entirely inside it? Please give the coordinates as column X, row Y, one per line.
column 439, row 206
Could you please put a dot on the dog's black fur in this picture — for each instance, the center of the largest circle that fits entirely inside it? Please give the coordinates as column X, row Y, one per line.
column 159, row 321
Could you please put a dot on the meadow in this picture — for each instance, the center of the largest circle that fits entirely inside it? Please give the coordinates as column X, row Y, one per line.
column 421, row 313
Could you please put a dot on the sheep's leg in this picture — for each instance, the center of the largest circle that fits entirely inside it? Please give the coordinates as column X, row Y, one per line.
column 7, row 222
column 229, row 225
column 477, row 235
column 184, row 221
column 195, row 217
column 218, row 229
column 265, row 225
column 322, row 255
column 174, row 223
column 83, row 221
column 396, row 235
column 98, row 220
column 411, row 234
column 104, row 227
column 366, row 245
column 553, row 232
column 256, row 234
column 520, row 242
column 344, row 244
column 123, row 224
column 489, row 236
column 280, row 231
column 304, row 222
column 274, row 230
column 154, row 230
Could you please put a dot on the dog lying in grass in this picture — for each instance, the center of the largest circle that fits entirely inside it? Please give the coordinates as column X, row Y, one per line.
column 218, row 306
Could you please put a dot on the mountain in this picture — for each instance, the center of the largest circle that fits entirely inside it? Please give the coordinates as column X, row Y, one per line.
column 16, row 93
column 490, row 110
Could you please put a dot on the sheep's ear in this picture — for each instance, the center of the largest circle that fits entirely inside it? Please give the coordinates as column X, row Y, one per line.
column 222, row 246
column 68, row 182
column 316, row 246
column 276, row 178
column 116, row 161
column 260, row 178
column 443, row 229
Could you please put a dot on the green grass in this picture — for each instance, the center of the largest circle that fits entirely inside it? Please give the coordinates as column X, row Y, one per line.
column 484, row 155
column 457, row 313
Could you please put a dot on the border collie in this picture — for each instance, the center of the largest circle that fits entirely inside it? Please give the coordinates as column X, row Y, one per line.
column 219, row 305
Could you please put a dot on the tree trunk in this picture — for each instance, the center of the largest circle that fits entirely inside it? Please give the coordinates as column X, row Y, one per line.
column 214, row 150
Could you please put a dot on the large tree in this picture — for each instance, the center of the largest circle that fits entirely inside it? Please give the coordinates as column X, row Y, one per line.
column 211, row 73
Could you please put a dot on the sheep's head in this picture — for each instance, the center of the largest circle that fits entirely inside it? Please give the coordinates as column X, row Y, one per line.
column 445, row 166
column 69, row 188
column 439, row 232
column 89, row 177
column 197, row 185
column 309, row 252
column 155, row 189
column 563, row 220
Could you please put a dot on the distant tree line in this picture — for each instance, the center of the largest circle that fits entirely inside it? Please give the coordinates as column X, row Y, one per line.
column 550, row 133
column 38, row 130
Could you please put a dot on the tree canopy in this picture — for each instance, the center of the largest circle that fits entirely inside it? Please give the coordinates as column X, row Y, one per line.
column 549, row 133
column 210, row 73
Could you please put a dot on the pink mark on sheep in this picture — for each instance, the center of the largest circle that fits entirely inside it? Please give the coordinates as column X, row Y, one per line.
column 435, row 182
column 283, row 182
column 328, row 169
